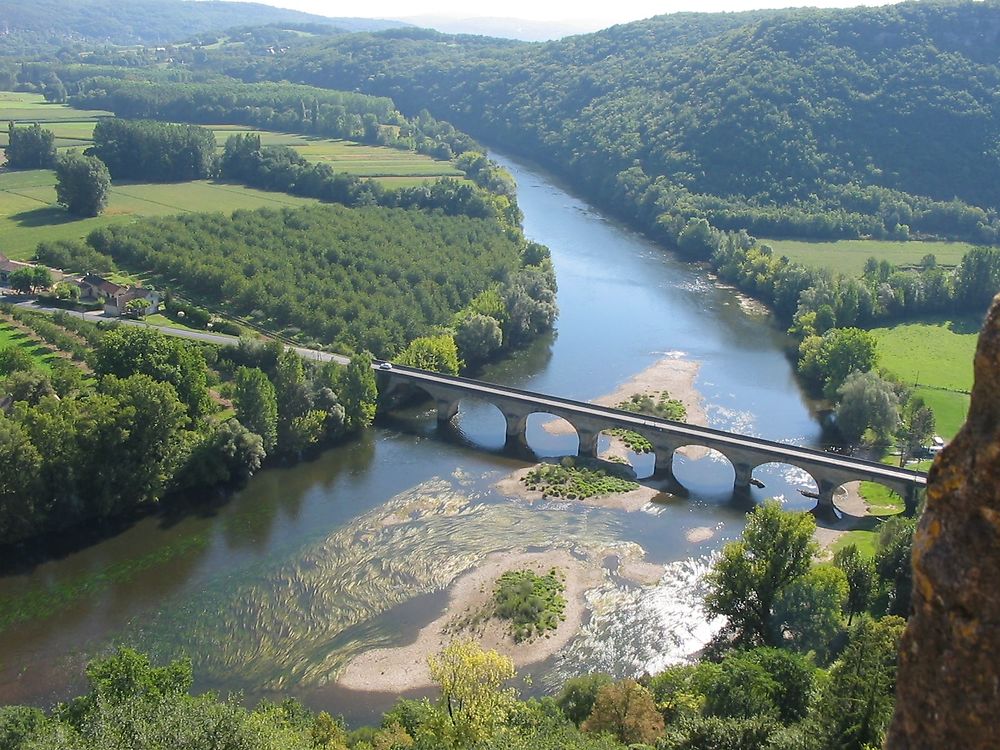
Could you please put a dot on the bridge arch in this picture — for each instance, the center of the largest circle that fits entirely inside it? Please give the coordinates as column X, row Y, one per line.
column 548, row 435
column 769, row 477
column 638, row 451
column 481, row 423
column 702, row 469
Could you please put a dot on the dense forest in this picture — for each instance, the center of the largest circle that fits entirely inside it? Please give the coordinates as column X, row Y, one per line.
column 805, row 123
column 34, row 27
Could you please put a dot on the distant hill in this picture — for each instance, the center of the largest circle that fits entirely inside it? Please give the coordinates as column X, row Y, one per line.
column 26, row 26
column 505, row 28
column 812, row 123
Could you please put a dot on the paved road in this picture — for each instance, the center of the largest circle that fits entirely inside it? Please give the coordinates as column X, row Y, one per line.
column 698, row 435
column 208, row 337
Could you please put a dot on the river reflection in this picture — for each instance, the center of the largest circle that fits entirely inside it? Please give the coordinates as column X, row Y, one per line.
column 273, row 591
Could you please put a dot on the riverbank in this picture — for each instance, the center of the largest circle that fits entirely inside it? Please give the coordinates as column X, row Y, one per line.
column 405, row 667
column 853, row 515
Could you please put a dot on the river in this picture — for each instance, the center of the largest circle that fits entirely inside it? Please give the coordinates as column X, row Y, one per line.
column 272, row 592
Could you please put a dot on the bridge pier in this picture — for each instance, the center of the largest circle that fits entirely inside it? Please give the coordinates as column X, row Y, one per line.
column 517, row 425
column 910, row 499
column 664, row 462
column 446, row 409
column 588, row 442
column 744, row 475
column 825, row 507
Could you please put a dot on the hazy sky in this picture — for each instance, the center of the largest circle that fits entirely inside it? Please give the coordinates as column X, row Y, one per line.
column 607, row 13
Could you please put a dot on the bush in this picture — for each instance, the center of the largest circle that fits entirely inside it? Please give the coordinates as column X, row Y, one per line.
column 534, row 604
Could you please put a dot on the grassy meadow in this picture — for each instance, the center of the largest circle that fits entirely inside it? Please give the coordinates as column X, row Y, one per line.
column 848, row 257
column 935, row 356
column 29, row 213
column 74, row 128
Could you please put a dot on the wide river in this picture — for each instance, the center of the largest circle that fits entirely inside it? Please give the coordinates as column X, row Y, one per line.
column 272, row 592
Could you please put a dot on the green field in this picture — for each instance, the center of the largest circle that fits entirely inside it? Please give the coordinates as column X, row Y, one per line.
column 11, row 336
column 73, row 128
column 29, row 213
column 934, row 356
column 848, row 256
column 347, row 156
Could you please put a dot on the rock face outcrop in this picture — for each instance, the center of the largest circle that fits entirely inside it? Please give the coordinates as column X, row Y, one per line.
column 948, row 683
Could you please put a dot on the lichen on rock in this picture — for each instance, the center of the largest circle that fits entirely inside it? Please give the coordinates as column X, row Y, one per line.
column 948, row 683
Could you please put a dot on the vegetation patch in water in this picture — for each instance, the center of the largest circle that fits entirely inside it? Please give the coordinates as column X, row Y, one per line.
column 655, row 404
column 573, row 482
column 46, row 602
column 534, row 604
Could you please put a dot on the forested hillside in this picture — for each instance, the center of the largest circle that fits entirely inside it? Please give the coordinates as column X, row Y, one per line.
column 143, row 21
column 801, row 123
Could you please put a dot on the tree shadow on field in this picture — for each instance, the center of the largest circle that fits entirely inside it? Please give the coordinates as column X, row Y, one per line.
column 966, row 325
column 43, row 217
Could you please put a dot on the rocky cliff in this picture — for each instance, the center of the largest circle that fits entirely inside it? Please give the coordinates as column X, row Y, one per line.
column 948, row 683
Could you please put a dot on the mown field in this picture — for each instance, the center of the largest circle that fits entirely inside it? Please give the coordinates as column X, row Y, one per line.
column 74, row 128
column 848, row 256
column 353, row 158
column 935, row 356
column 29, row 213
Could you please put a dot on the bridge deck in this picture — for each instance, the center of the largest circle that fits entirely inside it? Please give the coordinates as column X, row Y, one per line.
column 696, row 434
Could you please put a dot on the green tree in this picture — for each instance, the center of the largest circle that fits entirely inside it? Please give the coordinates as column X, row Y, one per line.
column 625, row 710
column 576, row 699
column 22, row 280
column 854, row 709
column 83, row 184
column 257, row 405
column 745, row 584
column 809, row 609
column 867, row 402
column 697, row 239
column 478, row 337
column 435, row 353
column 30, row 147
column 826, row 361
column 473, row 698
column 916, row 427
column 130, row 350
column 136, row 444
column 20, row 469
column 860, row 573
column 14, row 358
column 358, row 392
column 893, row 563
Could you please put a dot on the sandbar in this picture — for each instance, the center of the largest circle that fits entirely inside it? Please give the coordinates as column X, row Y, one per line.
column 405, row 667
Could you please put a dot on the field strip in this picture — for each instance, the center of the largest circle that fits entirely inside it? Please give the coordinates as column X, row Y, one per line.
column 292, row 204
column 29, row 197
column 155, row 203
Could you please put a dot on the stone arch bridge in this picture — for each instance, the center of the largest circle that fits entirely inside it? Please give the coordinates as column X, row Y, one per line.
column 828, row 470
